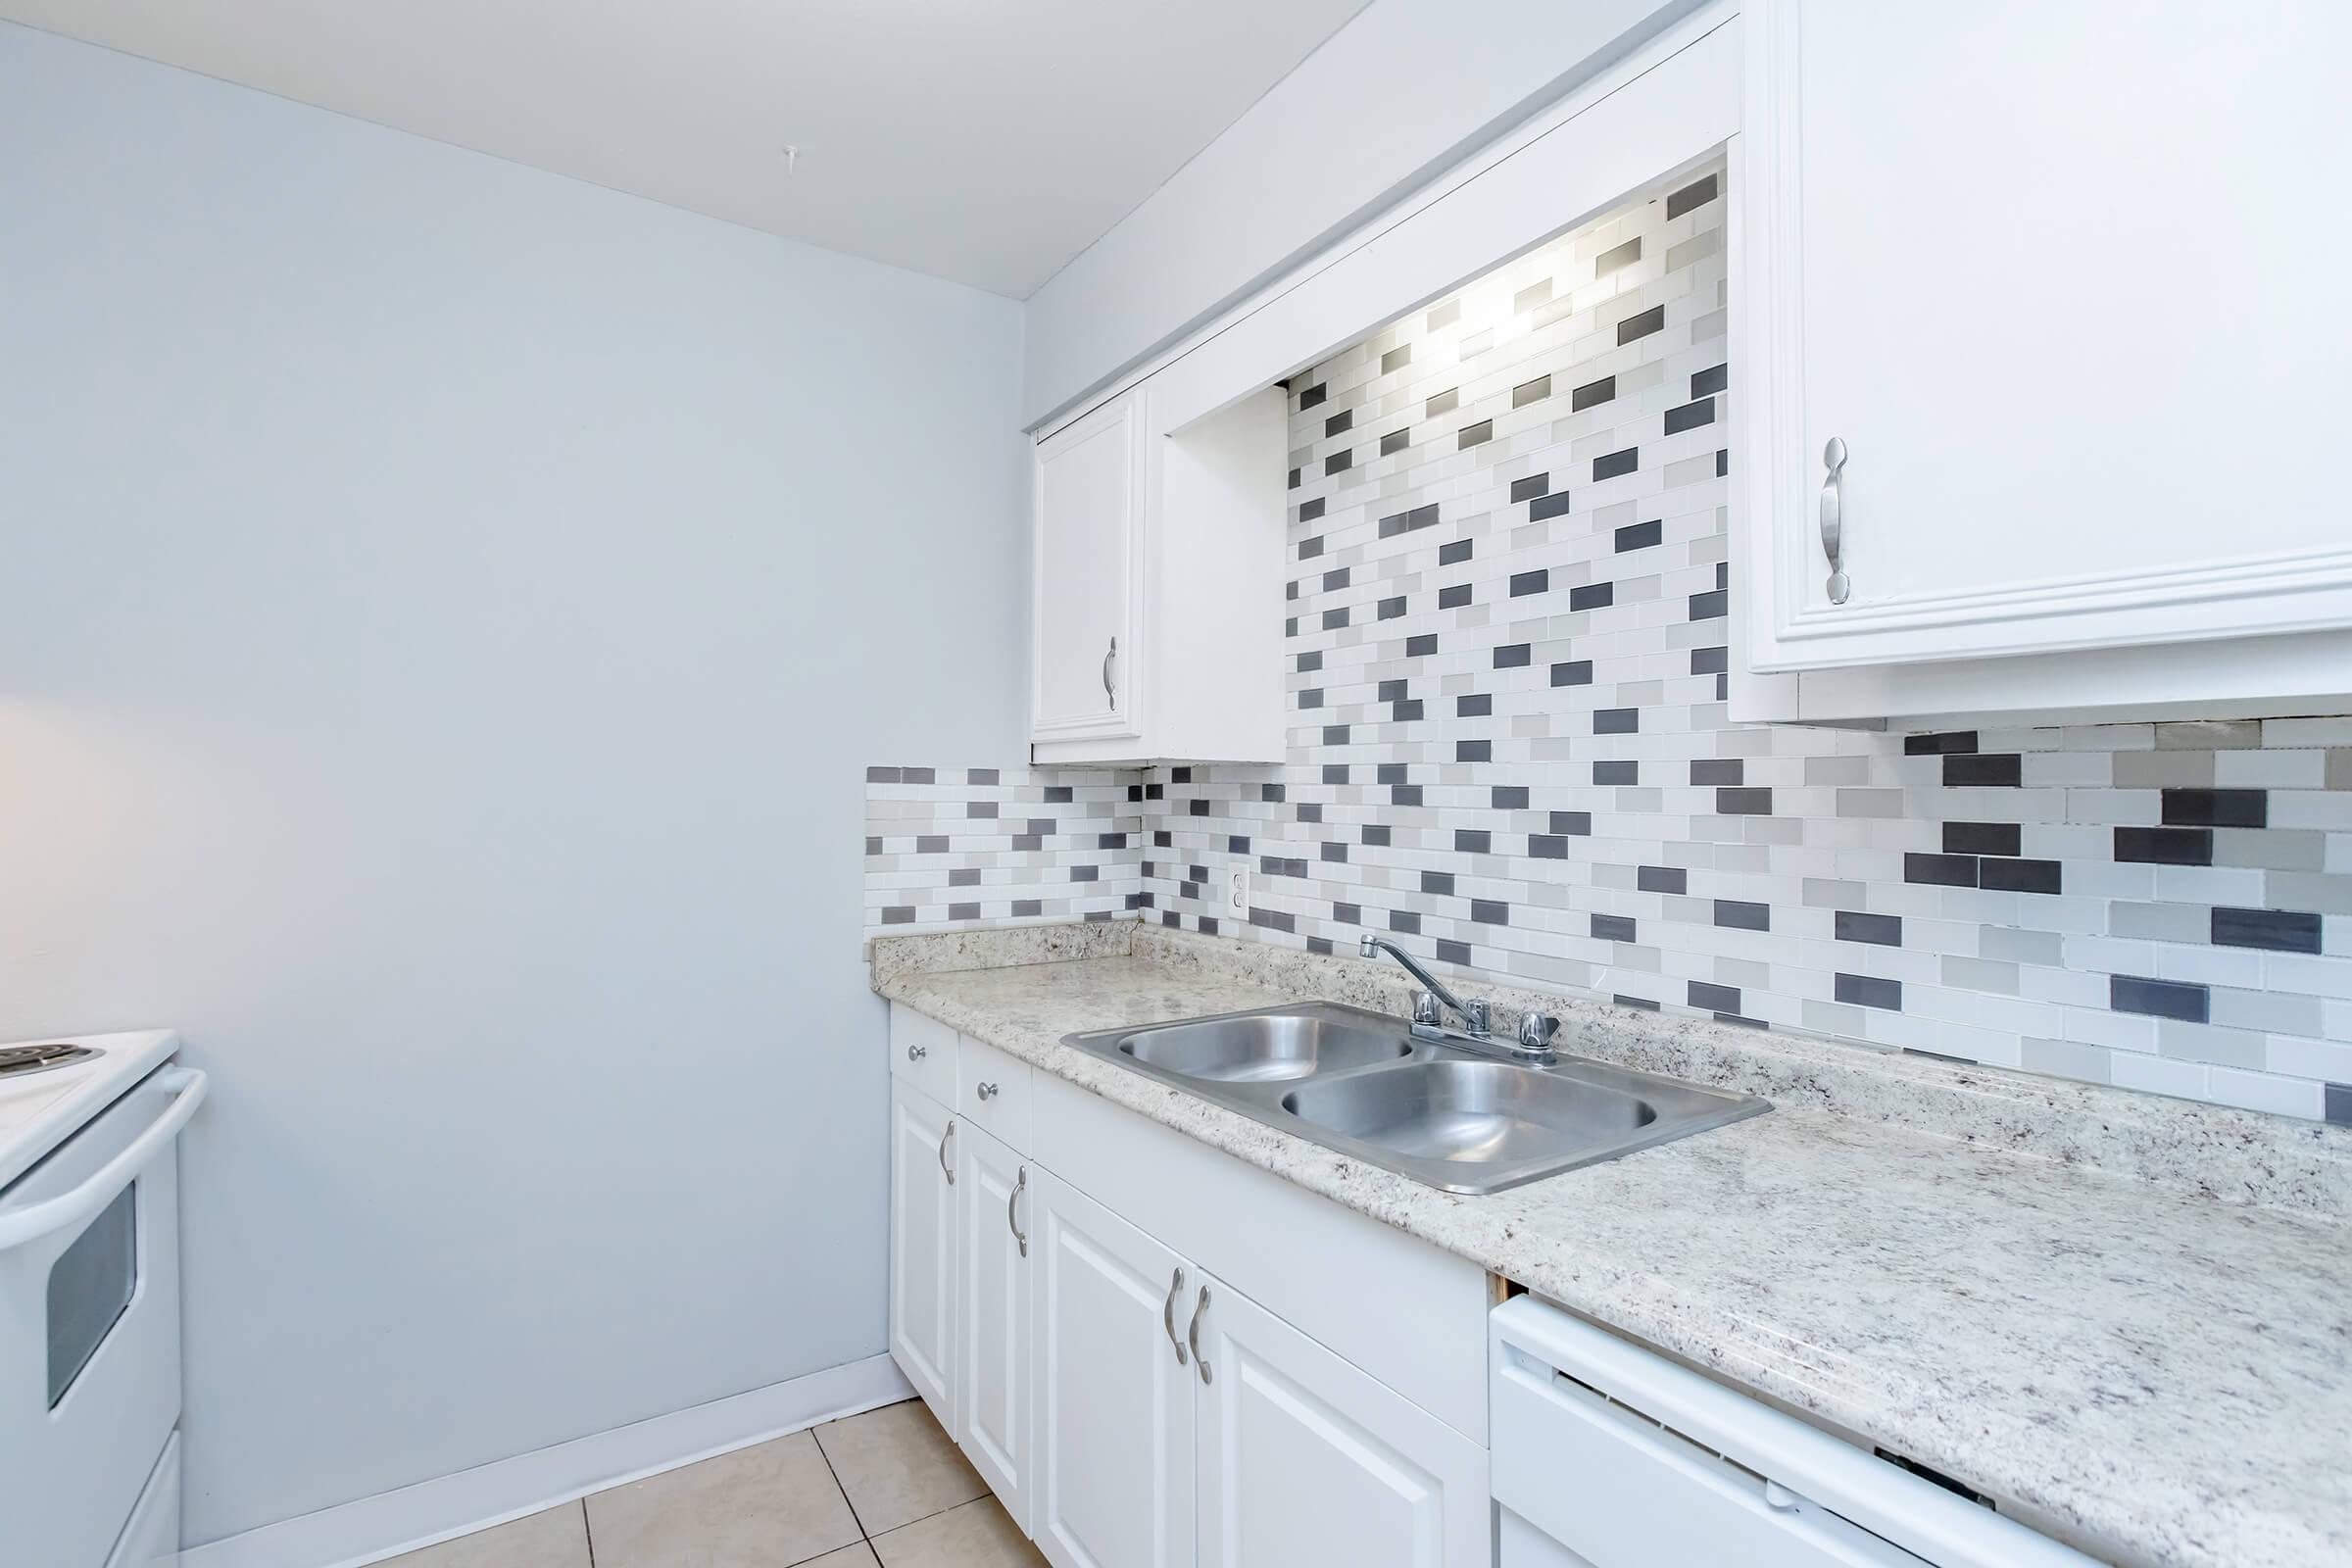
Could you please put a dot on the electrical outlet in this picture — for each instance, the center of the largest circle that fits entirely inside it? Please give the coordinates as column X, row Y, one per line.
column 1237, row 894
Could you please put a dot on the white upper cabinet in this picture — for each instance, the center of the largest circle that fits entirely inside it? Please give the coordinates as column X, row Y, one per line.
column 1156, row 598
column 1087, row 595
column 2054, row 282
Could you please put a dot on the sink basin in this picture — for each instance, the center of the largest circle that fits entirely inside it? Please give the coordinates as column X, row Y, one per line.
column 1472, row 1112
column 1266, row 1046
column 1453, row 1113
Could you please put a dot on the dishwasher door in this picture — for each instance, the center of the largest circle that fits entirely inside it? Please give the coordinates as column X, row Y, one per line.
column 1607, row 1455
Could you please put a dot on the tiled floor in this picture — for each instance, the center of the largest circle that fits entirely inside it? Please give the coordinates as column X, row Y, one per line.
column 882, row 1489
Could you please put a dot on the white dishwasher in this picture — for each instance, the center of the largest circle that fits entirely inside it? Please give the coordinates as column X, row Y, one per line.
column 1607, row 1455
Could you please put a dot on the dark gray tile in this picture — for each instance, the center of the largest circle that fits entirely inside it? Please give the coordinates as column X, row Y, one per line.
column 1869, row 990
column 1999, row 771
column 1574, row 824
column 1593, row 595
column 1554, row 505
column 1489, row 912
column 1439, row 883
column 1535, row 391
column 1309, row 510
column 1616, row 721
column 2338, row 1104
column 1714, row 998
column 1444, row 402
column 1421, row 644
column 1396, row 441
column 1508, row 798
column 1472, row 435
column 1572, row 672
column 1310, row 397
column 1391, row 609
column 1616, row 772
column 1718, row 770
column 2217, row 807
column 963, row 876
column 1661, row 879
column 1617, row 256
column 2274, row 930
column 1592, row 392
column 1638, row 327
column 882, row 776
column 1610, row 464
column 1546, row 847
column 1339, row 423
column 1751, row 801
column 918, row 775
column 1710, row 660
column 1512, row 656
column 1940, row 871
column 1473, row 841
column 1449, row 952
column 2020, row 877
column 2165, row 846
column 1943, row 743
column 1981, row 838
column 963, row 911
column 1454, row 552
column 1713, row 606
column 1709, row 381
column 2159, row 999
column 1529, row 488
column 1640, row 535
column 1691, row 416
column 1524, row 583
column 1880, row 930
column 1697, row 193
column 899, row 914
column 1397, row 359
column 1474, row 751
column 1613, row 928
column 1475, row 705
column 1742, row 915
column 1338, row 463
column 1335, row 579
column 1027, row 907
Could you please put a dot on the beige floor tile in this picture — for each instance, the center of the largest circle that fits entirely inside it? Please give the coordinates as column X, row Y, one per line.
column 555, row 1539
column 978, row 1535
column 761, row 1507
column 898, row 1466
column 861, row 1556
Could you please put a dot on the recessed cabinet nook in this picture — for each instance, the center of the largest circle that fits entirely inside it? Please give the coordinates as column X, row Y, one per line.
column 2015, row 432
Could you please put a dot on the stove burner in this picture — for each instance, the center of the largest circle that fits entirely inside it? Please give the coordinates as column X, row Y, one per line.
column 17, row 1060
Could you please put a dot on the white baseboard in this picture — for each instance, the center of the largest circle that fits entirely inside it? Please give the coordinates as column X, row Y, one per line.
column 371, row 1529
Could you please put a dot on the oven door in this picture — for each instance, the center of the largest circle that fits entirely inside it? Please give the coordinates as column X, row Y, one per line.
column 89, row 1325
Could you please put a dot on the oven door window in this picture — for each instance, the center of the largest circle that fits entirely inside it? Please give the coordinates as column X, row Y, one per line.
column 90, row 1286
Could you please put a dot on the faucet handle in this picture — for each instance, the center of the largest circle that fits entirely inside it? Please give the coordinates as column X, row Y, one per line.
column 1368, row 945
column 1536, row 1030
column 1477, row 1017
column 1425, row 1007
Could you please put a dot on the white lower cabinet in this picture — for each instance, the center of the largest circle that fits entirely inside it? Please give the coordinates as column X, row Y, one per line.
column 1115, row 1391
column 1131, row 1411
column 998, row 1211
column 1302, row 1458
column 924, row 1227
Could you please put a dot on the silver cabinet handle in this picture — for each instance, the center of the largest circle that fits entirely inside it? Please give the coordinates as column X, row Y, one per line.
column 1193, row 1335
column 917, row 1052
column 987, row 1091
column 1167, row 1314
column 1833, row 520
column 1111, row 690
column 1011, row 1203
column 946, row 1139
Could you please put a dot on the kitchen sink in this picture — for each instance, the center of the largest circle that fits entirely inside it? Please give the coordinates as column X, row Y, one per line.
column 1266, row 1046
column 1450, row 1112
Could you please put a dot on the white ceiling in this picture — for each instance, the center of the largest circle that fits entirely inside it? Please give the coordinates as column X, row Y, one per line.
column 987, row 141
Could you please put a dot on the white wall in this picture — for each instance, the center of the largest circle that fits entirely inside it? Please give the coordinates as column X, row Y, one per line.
column 1399, row 93
column 442, row 609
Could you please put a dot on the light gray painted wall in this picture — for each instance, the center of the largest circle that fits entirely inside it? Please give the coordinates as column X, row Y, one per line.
column 1401, row 94
column 442, row 613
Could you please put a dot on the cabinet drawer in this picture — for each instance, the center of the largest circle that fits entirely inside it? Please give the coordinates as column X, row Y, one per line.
column 993, row 1091
column 922, row 1051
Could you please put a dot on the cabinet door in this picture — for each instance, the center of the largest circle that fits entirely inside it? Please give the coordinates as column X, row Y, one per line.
column 922, row 1247
column 2059, row 278
column 1085, row 605
column 1113, row 1485
column 1305, row 1459
column 992, row 1397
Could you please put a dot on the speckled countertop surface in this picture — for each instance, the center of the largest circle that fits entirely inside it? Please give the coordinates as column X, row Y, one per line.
column 2166, row 1378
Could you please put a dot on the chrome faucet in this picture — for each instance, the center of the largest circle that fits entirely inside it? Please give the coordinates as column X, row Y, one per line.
column 1535, row 1029
column 1433, row 992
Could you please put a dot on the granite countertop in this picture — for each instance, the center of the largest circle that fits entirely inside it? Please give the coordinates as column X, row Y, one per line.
column 2163, row 1377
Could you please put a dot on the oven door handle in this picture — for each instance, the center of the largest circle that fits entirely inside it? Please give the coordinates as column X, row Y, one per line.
column 36, row 1220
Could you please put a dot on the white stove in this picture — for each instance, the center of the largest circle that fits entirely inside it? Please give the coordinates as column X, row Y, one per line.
column 89, row 1298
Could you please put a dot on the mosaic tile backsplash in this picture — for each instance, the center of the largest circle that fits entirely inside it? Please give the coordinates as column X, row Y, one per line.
column 1506, row 670
column 948, row 847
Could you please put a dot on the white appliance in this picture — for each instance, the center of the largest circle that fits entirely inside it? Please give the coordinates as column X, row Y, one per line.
column 89, row 1300
column 1609, row 1457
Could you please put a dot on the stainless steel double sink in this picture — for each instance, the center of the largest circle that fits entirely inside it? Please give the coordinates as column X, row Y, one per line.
column 1456, row 1116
